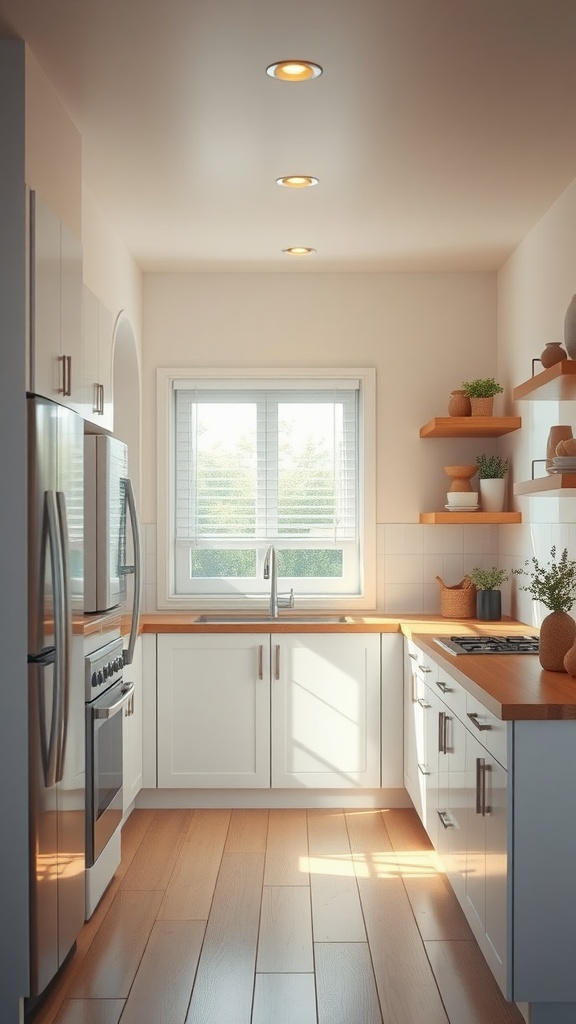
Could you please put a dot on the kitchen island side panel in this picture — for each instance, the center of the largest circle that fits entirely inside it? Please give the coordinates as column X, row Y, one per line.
column 544, row 862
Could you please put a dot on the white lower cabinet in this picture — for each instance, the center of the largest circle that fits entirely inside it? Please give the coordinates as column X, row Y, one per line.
column 132, row 731
column 213, row 710
column 283, row 710
column 326, row 710
column 459, row 790
column 486, row 853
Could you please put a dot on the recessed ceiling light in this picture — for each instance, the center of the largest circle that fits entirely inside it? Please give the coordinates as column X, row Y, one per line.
column 297, row 181
column 298, row 250
column 294, row 70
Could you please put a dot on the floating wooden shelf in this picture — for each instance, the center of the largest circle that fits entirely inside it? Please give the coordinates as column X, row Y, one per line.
column 557, row 485
column 557, row 383
column 471, row 517
column 470, row 426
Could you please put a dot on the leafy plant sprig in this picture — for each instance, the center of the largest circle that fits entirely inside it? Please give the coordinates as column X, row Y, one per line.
column 488, row 579
column 554, row 584
column 491, row 467
column 482, row 387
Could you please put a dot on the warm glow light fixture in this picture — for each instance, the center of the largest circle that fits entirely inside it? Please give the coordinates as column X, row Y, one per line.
column 297, row 181
column 298, row 250
column 294, row 70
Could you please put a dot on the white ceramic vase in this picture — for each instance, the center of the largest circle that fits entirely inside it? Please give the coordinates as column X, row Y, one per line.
column 492, row 495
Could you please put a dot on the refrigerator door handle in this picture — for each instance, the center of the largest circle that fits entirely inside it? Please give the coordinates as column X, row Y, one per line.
column 53, row 535
column 66, row 635
column 128, row 654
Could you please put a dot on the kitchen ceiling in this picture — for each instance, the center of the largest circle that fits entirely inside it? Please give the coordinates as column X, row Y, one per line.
column 440, row 130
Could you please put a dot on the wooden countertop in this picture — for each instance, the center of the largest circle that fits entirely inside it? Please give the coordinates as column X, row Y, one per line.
column 514, row 687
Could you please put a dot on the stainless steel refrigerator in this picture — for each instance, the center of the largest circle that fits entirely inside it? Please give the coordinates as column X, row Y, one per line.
column 55, row 685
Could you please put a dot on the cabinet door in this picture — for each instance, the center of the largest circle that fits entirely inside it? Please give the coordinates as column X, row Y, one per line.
column 391, row 647
column 97, row 341
column 213, row 710
column 56, row 308
column 46, row 368
column 486, row 853
column 413, row 730
column 71, row 315
column 132, row 733
column 326, row 710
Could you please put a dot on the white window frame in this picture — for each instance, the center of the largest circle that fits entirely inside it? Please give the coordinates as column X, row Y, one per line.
column 166, row 596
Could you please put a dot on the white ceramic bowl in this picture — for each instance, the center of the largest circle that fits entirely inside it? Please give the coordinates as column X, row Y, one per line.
column 462, row 498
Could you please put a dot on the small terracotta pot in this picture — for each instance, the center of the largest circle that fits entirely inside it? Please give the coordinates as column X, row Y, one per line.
column 557, row 634
column 552, row 354
column 482, row 406
column 459, row 404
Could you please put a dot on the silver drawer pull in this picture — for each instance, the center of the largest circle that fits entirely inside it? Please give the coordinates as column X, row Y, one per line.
column 423, row 703
column 424, row 770
column 481, row 726
column 446, row 819
column 424, row 668
column 442, row 686
column 413, row 656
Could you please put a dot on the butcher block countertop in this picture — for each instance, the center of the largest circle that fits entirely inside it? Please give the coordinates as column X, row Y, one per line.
column 514, row 687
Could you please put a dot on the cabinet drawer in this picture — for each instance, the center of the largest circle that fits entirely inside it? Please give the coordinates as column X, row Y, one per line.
column 451, row 692
column 492, row 732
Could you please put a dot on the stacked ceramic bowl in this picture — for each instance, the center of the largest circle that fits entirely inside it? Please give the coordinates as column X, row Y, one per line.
column 564, row 460
column 462, row 501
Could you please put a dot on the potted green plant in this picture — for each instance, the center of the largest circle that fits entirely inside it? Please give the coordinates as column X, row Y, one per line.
column 492, row 471
column 488, row 596
column 554, row 584
column 481, row 393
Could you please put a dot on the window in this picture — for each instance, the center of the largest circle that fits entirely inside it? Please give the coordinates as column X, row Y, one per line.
column 259, row 460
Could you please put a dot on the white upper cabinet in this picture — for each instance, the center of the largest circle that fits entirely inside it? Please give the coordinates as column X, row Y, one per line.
column 97, row 330
column 55, row 308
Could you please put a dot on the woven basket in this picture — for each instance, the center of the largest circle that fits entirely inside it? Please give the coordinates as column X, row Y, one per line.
column 459, row 601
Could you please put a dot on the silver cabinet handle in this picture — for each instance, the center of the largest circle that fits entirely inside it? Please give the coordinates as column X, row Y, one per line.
column 96, row 399
column 424, row 668
column 481, row 726
column 424, row 769
column 442, row 730
column 446, row 819
column 260, row 661
column 481, row 771
column 413, row 656
column 442, row 686
column 66, row 388
column 277, row 662
column 67, row 634
column 423, row 703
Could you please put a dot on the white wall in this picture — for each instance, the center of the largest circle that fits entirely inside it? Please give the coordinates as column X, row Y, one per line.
column 424, row 334
column 534, row 288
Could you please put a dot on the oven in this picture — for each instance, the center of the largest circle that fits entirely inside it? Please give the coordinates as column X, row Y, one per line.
column 106, row 698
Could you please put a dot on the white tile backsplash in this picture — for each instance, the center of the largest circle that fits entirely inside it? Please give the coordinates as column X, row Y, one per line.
column 411, row 555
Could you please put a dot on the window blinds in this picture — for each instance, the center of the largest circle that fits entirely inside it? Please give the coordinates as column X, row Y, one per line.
column 263, row 461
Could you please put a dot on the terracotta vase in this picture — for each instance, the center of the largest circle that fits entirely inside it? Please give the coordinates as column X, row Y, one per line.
column 570, row 328
column 561, row 432
column 552, row 354
column 459, row 404
column 482, row 406
column 570, row 660
column 557, row 635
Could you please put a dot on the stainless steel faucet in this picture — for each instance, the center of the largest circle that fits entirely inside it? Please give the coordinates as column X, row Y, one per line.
column 271, row 573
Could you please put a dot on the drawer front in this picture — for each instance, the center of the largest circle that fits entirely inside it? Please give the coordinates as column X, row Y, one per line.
column 451, row 692
column 492, row 732
column 423, row 666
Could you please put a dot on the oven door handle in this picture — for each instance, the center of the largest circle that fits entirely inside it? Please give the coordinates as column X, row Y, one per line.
column 127, row 692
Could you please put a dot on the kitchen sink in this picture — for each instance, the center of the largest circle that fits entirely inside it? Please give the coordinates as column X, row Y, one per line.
column 239, row 618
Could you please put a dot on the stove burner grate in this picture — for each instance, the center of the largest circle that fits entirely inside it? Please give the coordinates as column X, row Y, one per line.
column 489, row 644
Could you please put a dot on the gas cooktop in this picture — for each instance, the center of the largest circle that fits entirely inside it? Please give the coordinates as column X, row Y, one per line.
column 488, row 644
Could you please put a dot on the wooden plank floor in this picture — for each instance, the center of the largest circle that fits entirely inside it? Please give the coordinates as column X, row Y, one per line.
column 279, row 917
